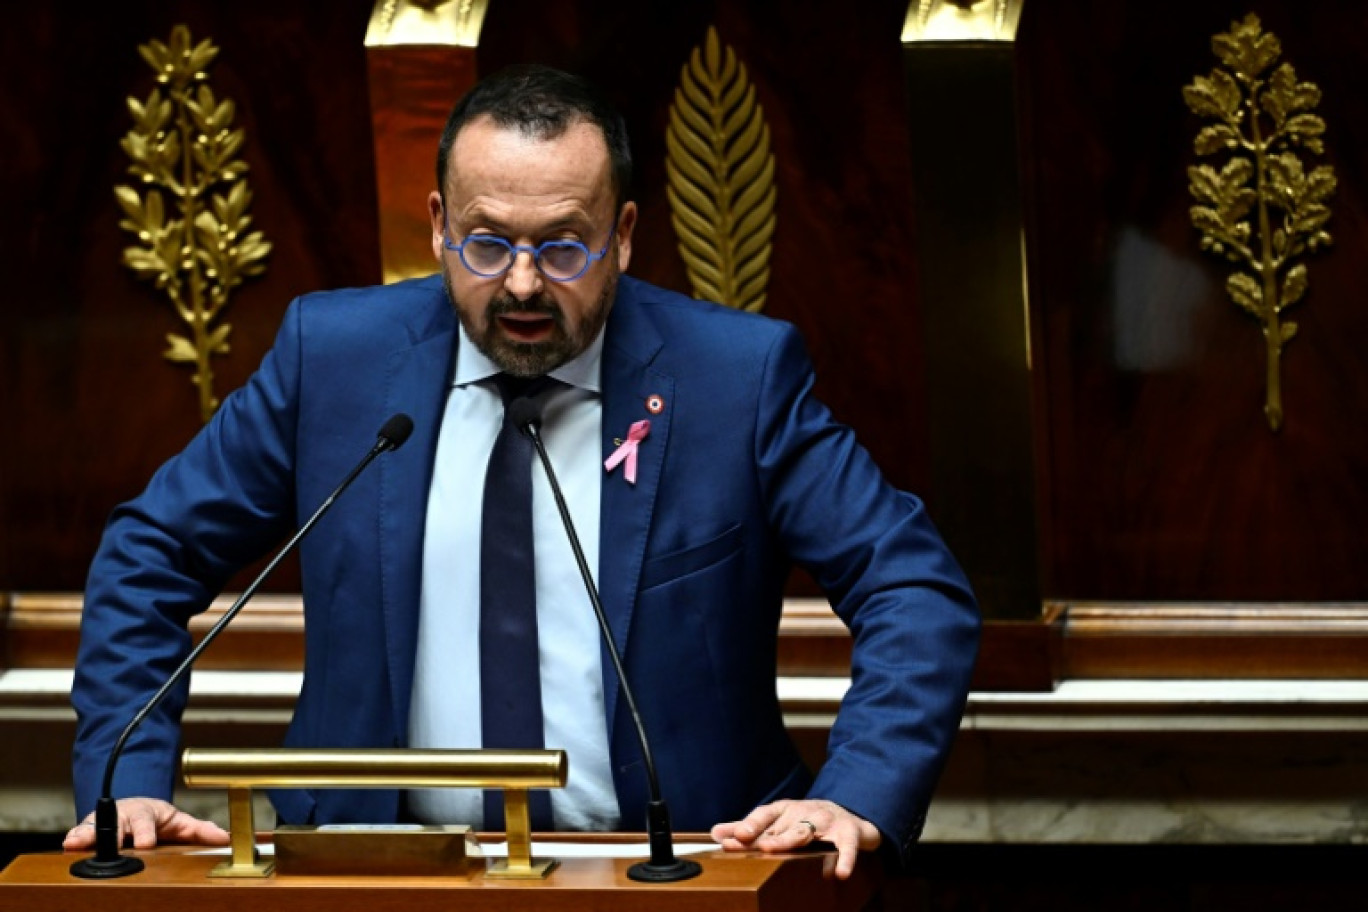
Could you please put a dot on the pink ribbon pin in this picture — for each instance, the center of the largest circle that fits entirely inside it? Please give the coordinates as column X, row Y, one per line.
column 627, row 450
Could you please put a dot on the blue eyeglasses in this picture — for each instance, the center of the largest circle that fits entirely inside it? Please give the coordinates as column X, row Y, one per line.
column 560, row 260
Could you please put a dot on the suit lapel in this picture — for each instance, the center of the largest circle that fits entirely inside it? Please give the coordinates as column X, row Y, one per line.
column 416, row 384
column 629, row 383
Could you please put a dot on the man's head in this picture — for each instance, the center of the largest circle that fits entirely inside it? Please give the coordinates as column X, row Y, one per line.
column 535, row 160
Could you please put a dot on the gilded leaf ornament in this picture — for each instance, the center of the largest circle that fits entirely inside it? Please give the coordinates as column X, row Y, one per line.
column 721, row 179
column 1261, row 208
column 189, row 208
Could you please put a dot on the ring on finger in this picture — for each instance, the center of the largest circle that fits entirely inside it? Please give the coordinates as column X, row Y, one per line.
column 812, row 828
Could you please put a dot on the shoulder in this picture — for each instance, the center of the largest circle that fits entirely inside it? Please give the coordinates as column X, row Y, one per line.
column 405, row 311
column 688, row 328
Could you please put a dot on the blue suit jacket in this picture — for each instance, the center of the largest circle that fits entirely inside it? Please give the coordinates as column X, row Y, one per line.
column 743, row 473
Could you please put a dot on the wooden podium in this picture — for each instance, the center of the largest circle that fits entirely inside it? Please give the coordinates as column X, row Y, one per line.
column 177, row 878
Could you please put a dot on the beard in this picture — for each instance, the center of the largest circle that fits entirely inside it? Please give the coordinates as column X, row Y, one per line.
column 568, row 338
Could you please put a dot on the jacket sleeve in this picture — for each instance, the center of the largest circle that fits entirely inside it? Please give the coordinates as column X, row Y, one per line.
column 891, row 579
column 206, row 513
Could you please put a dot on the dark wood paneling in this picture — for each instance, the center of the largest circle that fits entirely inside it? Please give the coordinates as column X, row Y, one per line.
column 89, row 402
column 1164, row 481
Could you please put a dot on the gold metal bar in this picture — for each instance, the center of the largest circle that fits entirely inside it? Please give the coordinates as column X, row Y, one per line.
column 511, row 770
column 244, row 861
column 519, row 865
column 518, row 825
column 370, row 768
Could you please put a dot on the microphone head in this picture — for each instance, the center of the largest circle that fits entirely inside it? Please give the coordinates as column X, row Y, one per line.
column 395, row 431
column 525, row 413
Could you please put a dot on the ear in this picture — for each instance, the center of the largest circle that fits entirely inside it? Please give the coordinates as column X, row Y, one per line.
column 437, row 215
column 625, row 223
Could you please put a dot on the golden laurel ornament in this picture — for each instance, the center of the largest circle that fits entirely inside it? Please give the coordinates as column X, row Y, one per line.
column 184, row 151
column 1262, row 210
column 720, row 174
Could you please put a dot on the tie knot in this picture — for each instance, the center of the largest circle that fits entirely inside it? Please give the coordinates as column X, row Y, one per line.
column 512, row 388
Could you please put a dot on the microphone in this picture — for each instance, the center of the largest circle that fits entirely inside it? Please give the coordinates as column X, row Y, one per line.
column 663, row 866
column 107, row 862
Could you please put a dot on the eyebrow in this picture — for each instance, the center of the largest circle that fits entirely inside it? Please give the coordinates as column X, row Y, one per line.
column 579, row 223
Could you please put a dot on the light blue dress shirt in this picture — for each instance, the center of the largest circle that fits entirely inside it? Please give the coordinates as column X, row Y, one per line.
column 445, row 710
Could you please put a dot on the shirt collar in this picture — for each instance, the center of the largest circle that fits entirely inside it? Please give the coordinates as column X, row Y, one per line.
column 583, row 371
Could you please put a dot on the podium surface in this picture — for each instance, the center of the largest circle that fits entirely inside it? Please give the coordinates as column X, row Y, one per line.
column 177, row 878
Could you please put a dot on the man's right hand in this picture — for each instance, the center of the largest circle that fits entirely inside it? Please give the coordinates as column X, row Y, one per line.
column 150, row 821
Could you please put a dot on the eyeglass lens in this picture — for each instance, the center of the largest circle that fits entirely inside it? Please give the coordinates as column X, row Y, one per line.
column 492, row 255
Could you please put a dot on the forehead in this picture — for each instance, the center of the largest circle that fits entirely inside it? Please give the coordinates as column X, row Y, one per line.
column 505, row 173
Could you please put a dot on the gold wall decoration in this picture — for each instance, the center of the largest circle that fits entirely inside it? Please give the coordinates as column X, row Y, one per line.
column 184, row 156
column 450, row 22
column 721, row 179
column 1262, row 210
column 961, row 20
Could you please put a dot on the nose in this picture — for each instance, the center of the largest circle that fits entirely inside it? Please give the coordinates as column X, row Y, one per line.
column 523, row 279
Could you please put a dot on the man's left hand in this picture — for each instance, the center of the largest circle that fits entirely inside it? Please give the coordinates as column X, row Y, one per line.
column 787, row 825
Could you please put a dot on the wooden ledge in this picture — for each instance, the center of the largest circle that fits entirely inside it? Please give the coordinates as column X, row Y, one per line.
column 1207, row 641
column 1070, row 640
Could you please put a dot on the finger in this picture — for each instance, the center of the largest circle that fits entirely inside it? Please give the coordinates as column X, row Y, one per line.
column 142, row 823
column 788, row 833
column 182, row 827
column 81, row 836
column 759, row 821
column 209, row 833
column 847, row 843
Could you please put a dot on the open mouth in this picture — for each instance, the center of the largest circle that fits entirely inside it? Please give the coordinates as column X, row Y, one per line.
column 527, row 327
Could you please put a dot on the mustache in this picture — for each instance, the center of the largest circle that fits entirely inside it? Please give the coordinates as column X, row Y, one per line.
column 503, row 304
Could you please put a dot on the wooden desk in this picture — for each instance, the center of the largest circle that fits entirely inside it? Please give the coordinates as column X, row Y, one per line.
column 175, row 879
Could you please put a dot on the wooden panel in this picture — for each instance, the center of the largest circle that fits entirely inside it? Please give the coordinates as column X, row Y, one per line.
column 972, row 297
column 1215, row 641
column 1164, row 481
column 172, row 880
column 42, row 630
column 86, row 394
column 412, row 88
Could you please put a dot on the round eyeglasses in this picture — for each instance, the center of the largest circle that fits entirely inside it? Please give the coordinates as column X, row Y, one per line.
column 560, row 260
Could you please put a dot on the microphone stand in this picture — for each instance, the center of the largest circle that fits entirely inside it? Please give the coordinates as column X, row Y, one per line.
column 107, row 862
column 664, row 866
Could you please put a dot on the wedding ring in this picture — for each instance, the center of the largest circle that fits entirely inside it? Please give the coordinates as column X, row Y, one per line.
column 812, row 828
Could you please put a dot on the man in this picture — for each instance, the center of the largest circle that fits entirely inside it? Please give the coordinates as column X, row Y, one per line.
column 737, row 473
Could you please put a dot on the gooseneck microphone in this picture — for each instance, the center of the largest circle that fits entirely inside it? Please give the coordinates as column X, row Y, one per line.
column 107, row 862
column 663, row 866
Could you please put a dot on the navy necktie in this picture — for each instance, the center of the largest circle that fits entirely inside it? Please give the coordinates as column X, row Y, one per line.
column 510, row 674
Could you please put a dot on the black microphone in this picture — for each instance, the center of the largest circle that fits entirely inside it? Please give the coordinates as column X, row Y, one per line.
column 663, row 866
column 107, row 862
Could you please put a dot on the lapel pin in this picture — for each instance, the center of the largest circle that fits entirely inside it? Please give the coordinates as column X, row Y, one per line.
column 626, row 452
column 655, row 403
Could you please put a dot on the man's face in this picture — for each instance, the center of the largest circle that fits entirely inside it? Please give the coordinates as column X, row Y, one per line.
column 527, row 191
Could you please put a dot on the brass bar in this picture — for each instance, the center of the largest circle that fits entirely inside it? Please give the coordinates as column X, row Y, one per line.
column 519, row 865
column 244, row 861
column 518, row 825
column 371, row 768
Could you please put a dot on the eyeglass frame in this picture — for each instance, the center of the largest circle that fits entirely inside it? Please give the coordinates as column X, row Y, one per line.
column 535, row 250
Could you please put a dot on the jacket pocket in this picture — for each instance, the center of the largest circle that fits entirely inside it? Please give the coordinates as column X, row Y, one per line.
column 677, row 564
